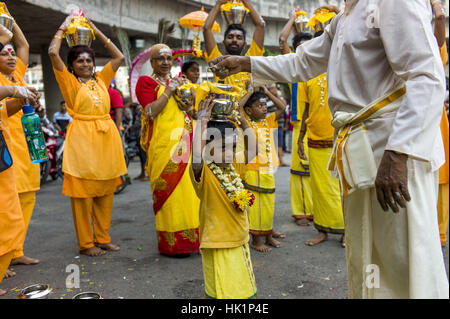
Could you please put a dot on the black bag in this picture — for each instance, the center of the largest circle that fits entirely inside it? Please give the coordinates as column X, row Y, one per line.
column 5, row 155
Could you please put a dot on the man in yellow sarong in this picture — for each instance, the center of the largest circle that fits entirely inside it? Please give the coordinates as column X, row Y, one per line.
column 234, row 42
column 316, row 121
column 301, row 195
column 13, row 65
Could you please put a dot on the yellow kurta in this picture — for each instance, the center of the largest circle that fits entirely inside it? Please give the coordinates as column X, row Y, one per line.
column 177, row 220
column 301, row 195
column 227, row 267
column 239, row 79
column 260, row 179
column 12, row 227
column 93, row 149
column 328, row 215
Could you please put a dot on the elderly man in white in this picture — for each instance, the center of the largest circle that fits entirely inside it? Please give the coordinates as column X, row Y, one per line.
column 386, row 86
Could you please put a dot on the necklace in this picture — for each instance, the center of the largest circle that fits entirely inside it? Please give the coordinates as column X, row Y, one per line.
column 10, row 77
column 266, row 132
column 162, row 82
column 233, row 186
column 93, row 91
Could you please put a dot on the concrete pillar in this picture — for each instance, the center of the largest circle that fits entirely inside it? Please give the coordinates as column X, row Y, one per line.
column 51, row 89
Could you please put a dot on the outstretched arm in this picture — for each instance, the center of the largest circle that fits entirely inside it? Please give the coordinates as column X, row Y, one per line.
column 55, row 45
column 21, row 43
column 258, row 21
column 279, row 103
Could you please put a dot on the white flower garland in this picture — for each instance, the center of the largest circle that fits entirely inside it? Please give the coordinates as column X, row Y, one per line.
column 266, row 130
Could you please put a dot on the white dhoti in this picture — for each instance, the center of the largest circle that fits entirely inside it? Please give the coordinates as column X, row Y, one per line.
column 404, row 247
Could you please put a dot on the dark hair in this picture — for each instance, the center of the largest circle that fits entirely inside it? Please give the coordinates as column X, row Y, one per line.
column 318, row 33
column 232, row 27
column 62, row 102
column 224, row 128
column 300, row 37
column 253, row 98
column 188, row 64
column 75, row 51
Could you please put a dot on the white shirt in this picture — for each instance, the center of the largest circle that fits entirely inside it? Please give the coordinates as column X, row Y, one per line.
column 379, row 45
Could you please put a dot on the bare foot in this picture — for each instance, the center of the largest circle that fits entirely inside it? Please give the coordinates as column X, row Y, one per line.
column 343, row 241
column 321, row 237
column 302, row 222
column 24, row 260
column 93, row 252
column 272, row 242
column 260, row 247
column 9, row 274
column 278, row 235
column 109, row 247
column 2, row 292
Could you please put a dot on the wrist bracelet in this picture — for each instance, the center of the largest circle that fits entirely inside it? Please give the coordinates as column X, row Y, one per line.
column 15, row 92
column 57, row 37
column 165, row 94
column 107, row 42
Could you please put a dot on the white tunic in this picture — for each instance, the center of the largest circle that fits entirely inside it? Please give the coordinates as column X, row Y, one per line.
column 380, row 44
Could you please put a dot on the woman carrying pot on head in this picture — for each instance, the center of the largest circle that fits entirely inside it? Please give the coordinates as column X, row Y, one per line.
column 93, row 155
column 166, row 136
column 13, row 65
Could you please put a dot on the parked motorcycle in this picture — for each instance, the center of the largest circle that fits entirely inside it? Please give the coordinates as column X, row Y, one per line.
column 54, row 141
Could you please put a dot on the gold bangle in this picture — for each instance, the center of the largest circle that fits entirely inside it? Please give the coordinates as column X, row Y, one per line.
column 107, row 42
column 58, row 37
column 15, row 91
column 165, row 94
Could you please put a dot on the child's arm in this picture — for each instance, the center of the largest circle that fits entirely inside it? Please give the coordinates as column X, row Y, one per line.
column 279, row 103
column 251, row 145
column 199, row 142
column 245, row 98
column 301, row 149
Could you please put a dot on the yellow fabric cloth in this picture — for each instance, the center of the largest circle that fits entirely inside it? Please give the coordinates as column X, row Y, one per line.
column 27, row 174
column 85, row 188
column 93, row 148
column 315, row 93
column 92, row 220
column 443, row 212
column 27, row 201
column 261, row 161
column 238, row 79
column 301, row 194
column 444, row 54
column 12, row 227
column 260, row 214
column 328, row 215
column 221, row 224
column 180, row 211
column 228, row 273
column 5, row 261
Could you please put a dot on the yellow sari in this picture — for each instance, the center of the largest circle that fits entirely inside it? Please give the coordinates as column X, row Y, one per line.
column 167, row 139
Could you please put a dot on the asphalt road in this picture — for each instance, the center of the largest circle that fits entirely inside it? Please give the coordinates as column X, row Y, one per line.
column 137, row 271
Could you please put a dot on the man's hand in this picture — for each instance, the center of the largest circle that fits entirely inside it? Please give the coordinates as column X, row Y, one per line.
column 225, row 66
column 185, row 104
column 392, row 181
column 301, row 150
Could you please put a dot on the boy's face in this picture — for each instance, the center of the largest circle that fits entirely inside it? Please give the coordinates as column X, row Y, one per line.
column 258, row 110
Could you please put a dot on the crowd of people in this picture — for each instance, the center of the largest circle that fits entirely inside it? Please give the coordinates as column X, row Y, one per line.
column 365, row 125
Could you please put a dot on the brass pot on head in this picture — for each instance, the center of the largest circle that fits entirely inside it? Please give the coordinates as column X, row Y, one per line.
column 83, row 36
column 300, row 23
column 223, row 103
column 236, row 15
column 6, row 21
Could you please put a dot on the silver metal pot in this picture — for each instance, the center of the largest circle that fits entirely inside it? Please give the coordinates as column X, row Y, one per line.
column 82, row 36
column 184, row 94
column 300, row 24
column 39, row 291
column 88, row 295
column 222, row 109
column 236, row 15
column 6, row 21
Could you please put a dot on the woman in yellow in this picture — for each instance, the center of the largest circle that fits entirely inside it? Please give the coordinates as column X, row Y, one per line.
column 13, row 65
column 259, row 178
column 316, row 121
column 93, row 158
column 217, row 178
column 166, row 136
column 12, row 227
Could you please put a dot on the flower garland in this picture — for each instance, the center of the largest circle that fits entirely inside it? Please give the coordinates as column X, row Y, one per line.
column 266, row 130
column 92, row 87
column 234, row 188
column 321, row 84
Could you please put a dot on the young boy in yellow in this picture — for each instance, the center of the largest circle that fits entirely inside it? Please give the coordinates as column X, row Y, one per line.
column 259, row 178
column 227, row 268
